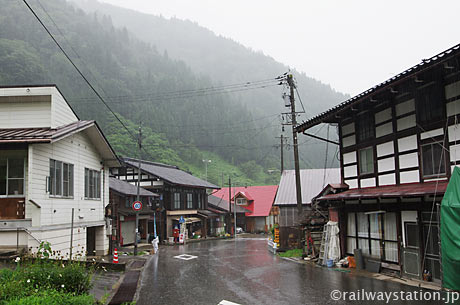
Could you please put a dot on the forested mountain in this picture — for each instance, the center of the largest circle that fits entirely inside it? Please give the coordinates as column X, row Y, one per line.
column 144, row 81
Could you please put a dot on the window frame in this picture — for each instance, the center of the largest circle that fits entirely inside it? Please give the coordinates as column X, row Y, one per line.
column 92, row 184
column 434, row 163
column 365, row 127
column 176, row 200
column 239, row 200
column 367, row 172
column 430, row 105
column 7, row 178
column 189, row 201
column 52, row 190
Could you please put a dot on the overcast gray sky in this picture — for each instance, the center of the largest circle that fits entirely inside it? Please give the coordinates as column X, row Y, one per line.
column 351, row 45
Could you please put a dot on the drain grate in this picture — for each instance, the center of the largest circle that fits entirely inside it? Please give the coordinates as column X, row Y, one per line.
column 137, row 264
column 127, row 289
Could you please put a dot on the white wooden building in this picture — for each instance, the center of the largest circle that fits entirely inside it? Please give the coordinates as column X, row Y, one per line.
column 399, row 142
column 50, row 163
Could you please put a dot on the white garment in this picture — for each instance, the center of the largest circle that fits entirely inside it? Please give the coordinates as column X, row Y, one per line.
column 155, row 242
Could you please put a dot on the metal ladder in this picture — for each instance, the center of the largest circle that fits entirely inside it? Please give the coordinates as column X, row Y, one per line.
column 324, row 248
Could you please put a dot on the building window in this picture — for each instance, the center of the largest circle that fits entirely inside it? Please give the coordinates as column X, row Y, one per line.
column 376, row 234
column 430, row 105
column 189, row 200
column 177, row 201
column 365, row 127
column 199, row 201
column 92, row 184
column 366, row 161
column 241, row 201
column 433, row 160
column 61, row 179
column 12, row 176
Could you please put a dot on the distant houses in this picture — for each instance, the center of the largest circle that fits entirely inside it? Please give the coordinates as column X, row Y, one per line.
column 254, row 206
column 180, row 195
column 312, row 182
column 52, row 166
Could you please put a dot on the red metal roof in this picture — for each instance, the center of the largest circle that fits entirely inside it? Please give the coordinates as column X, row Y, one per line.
column 392, row 191
column 41, row 135
column 262, row 198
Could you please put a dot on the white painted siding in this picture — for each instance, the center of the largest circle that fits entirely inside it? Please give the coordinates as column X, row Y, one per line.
column 61, row 114
column 15, row 113
column 453, row 108
column 347, row 129
column 383, row 116
column 454, row 133
column 452, row 90
column 454, row 152
column 409, row 177
column 407, row 143
column 80, row 152
column 370, row 182
column 387, row 164
column 348, row 141
column 350, row 171
column 385, row 149
column 406, row 122
column 349, row 157
column 405, row 107
column 409, row 160
column 432, row 133
column 389, row 179
column 352, row 183
column 384, row 130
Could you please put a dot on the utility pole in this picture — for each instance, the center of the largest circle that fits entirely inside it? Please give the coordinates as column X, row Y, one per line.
column 282, row 148
column 291, row 84
column 139, row 142
column 229, row 203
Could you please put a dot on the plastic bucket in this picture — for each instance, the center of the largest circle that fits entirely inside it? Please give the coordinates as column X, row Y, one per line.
column 330, row 263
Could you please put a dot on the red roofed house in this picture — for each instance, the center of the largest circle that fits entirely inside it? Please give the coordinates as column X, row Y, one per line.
column 258, row 201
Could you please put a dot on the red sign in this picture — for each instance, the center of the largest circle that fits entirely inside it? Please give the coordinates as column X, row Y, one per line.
column 137, row 205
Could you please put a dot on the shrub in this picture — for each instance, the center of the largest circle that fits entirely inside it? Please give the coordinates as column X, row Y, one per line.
column 53, row 297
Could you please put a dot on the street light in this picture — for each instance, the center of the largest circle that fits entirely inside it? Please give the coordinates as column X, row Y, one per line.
column 206, row 161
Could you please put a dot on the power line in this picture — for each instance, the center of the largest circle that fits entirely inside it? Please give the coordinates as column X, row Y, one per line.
column 78, row 70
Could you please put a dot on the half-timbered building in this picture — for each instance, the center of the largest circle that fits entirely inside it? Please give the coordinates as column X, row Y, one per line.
column 399, row 142
column 180, row 194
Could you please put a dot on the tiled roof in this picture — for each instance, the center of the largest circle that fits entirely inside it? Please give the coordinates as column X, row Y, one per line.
column 126, row 188
column 171, row 174
column 411, row 72
column 41, row 135
column 312, row 182
column 391, row 191
column 262, row 198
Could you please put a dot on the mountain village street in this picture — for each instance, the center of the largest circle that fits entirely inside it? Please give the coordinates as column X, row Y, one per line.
column 243, row 271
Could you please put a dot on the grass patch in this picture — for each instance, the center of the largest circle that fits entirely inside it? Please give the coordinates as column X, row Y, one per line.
column 291, row 253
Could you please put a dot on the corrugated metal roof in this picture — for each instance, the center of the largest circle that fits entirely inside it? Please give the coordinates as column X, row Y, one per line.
column 411, row 72
column 391, row 191
column 221, row 203
column 261, row 198
column 171, row 174
column 312, row 183
column 41, row 135
column 126, row 188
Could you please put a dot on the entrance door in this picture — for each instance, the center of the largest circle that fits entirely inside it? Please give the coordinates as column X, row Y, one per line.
column 431, row 242
column 410, row 254
column 91, row 241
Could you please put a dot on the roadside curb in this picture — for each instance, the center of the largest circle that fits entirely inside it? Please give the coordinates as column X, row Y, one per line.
column 377, row 276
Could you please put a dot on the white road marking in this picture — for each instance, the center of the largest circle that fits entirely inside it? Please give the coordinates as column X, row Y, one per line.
column 185, row 257
column 224, row 302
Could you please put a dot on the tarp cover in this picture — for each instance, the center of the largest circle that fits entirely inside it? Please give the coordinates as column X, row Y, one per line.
column 450, row 237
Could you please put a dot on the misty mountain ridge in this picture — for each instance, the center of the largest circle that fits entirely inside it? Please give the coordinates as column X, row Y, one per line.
column 236, row 130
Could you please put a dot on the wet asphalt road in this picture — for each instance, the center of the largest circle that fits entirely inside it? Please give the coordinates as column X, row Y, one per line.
column 244, row 272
